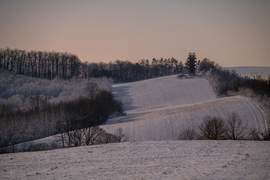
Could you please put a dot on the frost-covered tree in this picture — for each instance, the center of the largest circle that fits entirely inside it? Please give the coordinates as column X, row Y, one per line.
column 91, row 90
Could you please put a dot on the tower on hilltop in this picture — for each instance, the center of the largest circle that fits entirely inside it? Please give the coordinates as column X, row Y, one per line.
column 191, row 63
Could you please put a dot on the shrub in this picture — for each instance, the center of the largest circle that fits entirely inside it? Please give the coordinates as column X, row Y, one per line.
column 212, row 128
column 259, row 136
column 119, row 134
column 188, row 134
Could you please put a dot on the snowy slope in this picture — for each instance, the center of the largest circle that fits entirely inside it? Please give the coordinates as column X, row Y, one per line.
column 161, row 108
column 144, row 160
column 162, row 92
column 167, row 123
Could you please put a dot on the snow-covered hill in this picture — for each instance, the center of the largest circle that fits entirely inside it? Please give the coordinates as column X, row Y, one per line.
column 162, row 92
column 156, row 109
column 159, row 109
column 144, row 160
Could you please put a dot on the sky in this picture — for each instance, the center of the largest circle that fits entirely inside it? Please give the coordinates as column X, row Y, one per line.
column 229, row 32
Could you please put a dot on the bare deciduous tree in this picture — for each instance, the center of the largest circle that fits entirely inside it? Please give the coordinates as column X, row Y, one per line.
column 235, row 127
column 59, row 126
column 187, row 134
column 37, row 102
column 92, row 135
column 255, row 135
column 212, row 128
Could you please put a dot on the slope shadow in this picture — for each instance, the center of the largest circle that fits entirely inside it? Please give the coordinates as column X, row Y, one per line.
column 122, row 93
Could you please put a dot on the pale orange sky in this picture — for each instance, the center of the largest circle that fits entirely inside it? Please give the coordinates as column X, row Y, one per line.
column 229, row 32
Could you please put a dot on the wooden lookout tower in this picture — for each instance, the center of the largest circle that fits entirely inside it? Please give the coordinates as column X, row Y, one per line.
column 191, row 63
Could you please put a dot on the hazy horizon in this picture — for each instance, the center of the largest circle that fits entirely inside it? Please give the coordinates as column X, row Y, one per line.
column 231, row 33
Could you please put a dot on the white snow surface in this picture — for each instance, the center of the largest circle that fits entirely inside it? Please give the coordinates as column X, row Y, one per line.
column 162, row 92
column 144, row 160
column 161, row 108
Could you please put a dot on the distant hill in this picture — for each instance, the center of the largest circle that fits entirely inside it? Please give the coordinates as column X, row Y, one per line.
column 250, row 70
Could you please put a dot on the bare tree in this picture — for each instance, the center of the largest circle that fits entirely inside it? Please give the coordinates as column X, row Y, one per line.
column 259, row 136
column 235, row 127
column 212, row 128
column 187, row 134
column 255, row 135
column 76, row 137
column 37, row 102
column 92, row 135
column 59, row 126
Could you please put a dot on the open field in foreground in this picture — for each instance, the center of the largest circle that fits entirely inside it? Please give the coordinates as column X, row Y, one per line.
column 144, row 160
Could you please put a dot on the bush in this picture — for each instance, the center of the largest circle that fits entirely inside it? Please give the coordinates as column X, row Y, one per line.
column 119, row 134
column 93, row 135
column 212, row 128
column 259, row 136
column 223, row 80
column 188, row 134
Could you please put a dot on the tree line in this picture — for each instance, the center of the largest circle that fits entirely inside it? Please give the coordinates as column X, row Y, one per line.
column 126, row 71
column 224, row 81
column 45, row 65
column 216, row 128
column 48, row 65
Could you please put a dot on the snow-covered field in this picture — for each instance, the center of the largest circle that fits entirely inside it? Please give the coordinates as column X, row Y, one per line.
column 162, row 92
column 157, row 110
column 161, row 108
column 167, row 123
column 144, row 160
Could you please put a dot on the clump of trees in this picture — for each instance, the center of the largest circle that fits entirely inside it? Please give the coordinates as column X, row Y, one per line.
column 43, row 119
column 216, row 128
column 206, row 64
column 70, row 135
column 226, row 83
column 69, row 138
column 41, row 64
column 17, row 91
